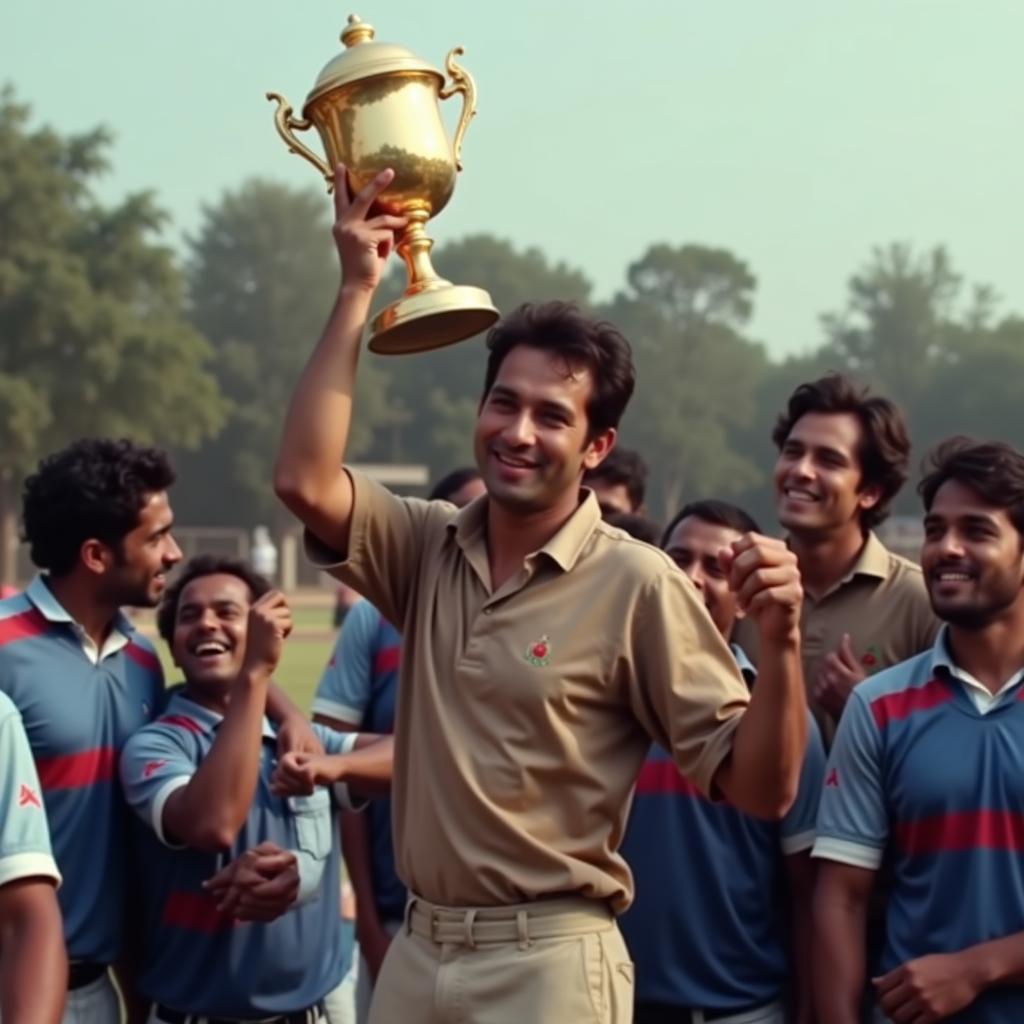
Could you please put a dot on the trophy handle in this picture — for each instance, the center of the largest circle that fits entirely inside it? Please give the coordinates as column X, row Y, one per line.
column 286, row 124
column 462, row 81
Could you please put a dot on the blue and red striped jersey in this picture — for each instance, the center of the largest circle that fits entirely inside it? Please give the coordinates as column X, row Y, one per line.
column 360, row 685
column 920, row 771
column 708, row 925
column 194, row 959
column 78, row 713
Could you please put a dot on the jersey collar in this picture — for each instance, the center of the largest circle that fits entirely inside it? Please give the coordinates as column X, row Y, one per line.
column 181, row 706
column 39, row 593
column 944, row 667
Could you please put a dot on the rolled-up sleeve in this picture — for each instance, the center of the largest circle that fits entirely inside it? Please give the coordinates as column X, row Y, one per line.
column 386, row 538
column 686, row 689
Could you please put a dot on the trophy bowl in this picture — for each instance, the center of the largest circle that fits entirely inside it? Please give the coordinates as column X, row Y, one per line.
column 377, row 106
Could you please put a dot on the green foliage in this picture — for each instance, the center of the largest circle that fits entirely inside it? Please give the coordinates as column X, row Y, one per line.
column 93, row 339
column 262, row 277
column 696, row 373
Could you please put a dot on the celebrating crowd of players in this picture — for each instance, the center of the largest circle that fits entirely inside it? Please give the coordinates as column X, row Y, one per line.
column 791, row 771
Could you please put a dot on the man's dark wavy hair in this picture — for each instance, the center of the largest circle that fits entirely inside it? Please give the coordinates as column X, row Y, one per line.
column 94, row 488
column 622, row 466
column 885, row 447
column 195, row 568
column 564, row 330
column 994, row 470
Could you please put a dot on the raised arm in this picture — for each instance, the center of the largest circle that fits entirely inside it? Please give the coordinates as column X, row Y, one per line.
column 761, row 775
column 207, row 812
column 308, row 475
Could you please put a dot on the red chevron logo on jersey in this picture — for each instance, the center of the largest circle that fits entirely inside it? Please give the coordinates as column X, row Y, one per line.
column 152, row 766
column 832, row 779
column 28, row 797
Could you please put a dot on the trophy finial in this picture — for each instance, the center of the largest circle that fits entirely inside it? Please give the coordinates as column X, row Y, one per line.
column 357, row 31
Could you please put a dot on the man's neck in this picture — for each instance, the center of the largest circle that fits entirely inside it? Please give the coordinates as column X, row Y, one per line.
column 80, row 600
column 992, row 654
column 206, row 697
column 513, row 535
column 825, row 559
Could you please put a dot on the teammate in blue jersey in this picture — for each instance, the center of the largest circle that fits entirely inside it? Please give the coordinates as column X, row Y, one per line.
column 33, row 964
column 204, row 779
column 98, row 522
column 928, row 771
column 719, row 929
column 358, row 690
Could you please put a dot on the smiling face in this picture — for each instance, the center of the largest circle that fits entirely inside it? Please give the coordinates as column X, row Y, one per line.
column 137, row 573
column 972, row 558
column 818, row 476
column 694, row 545
column 531, row 432
column 210, row 630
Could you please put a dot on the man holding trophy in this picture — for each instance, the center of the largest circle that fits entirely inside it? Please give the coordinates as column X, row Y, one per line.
column 542, row 649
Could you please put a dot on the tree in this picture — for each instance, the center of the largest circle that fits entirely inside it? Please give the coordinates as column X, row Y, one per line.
column 92, row 334
column 263, row 276
column 696, row 374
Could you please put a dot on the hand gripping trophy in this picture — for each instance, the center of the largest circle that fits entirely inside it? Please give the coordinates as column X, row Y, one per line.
column 376, row 105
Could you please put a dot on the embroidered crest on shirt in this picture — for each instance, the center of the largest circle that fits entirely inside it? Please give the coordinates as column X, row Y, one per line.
column 539, row 652
column 871, row 660
column 832, row 782
column 151, row 767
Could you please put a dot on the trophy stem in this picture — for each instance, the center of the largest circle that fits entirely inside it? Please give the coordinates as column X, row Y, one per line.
column 414, row 248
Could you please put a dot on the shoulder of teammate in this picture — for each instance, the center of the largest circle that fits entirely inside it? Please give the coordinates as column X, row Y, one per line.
column 165, row 748
column 347, row 679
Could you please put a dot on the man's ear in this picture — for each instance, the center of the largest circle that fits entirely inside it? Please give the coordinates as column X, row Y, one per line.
column 96, row 556
column 599, row 447
column 869, row 497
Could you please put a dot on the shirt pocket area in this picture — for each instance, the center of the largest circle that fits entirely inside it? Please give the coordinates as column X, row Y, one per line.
column 313, row 822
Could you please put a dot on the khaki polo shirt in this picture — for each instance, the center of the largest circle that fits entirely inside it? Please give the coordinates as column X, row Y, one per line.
column 524, row 714
column 882, row 603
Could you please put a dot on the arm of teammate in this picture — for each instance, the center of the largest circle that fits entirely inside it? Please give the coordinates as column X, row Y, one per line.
column 852, row 833
column 841, row 896
column 33, row 963
column 796, row 838
column 309, row 476
column 371, row 934
column 365, row 769
column 207, row 812
column 933, row 988
column 294, row 730
column 761, row 775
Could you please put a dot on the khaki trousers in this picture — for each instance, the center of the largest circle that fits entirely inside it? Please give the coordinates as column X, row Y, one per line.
column 550, row 962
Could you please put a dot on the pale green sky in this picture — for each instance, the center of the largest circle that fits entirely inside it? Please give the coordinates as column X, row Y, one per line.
column 797, row 133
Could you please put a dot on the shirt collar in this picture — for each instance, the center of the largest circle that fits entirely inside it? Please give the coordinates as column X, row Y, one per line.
column 180, row 704
column 564, row 548
column 40, row 594
column 943, row 665
column 873, row 560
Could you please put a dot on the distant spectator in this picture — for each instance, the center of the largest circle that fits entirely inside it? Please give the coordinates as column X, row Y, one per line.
column 620, row 482
column 637, row 526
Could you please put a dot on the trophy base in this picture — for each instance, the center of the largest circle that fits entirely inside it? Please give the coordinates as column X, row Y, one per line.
column 432, row 318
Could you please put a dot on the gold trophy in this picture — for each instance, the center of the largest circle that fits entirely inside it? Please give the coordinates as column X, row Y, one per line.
column 376, row 106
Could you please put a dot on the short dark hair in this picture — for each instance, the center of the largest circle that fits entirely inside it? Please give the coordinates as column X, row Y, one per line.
column 884, row 452
column 453, row 482
column 992, row 469
column 196, row 568
column 638, row 527
column 711, row 510
column 583, row 342
column 622, row 466
column 94, row 488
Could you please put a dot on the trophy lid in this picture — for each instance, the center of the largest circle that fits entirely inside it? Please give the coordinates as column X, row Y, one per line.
column 365, row 58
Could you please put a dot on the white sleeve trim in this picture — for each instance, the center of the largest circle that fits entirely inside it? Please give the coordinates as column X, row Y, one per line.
column 846, row 851
column 323, row 706
column 344, row 798
column 160, row 801
column 797, row 843
column 28, row 865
